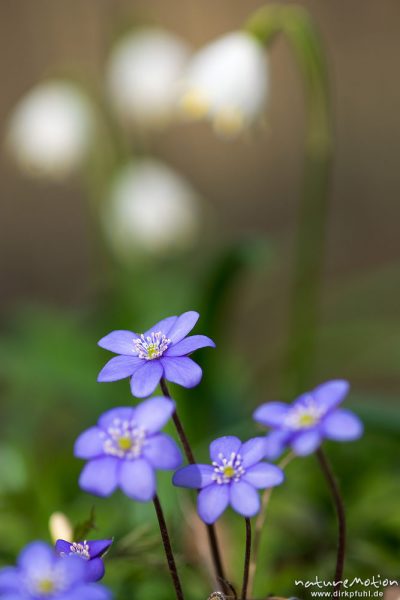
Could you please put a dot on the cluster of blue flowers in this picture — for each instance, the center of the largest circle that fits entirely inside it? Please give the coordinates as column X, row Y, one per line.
column 127, row 446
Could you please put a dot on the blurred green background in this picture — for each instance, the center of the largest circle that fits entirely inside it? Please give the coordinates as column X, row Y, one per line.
column 62, row 289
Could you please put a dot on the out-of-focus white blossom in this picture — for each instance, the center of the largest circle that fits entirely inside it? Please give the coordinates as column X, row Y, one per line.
column 60, row 527
column 50, row 129
column 151, row 210
column 227, row 82
column 143, row 75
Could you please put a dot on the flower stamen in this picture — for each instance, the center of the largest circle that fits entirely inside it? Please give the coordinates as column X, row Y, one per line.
column 152, row 346
column 228, row 470
column 124, row 439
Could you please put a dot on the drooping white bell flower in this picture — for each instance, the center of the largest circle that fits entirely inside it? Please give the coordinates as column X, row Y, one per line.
column 151, row 210
column 227, row 82
column 50, row 129
column 143, row 74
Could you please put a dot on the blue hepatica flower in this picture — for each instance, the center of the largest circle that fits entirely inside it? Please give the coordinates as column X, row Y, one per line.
column 125, row 449
column 162, row 351
column 312, row 417
column 89, row 551
column 233, row 478
column 40, row 574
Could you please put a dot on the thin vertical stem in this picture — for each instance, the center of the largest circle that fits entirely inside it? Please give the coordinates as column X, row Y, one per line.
column 212, row 534
column 341, row 516
column 247, row 555
column 168, row 549
column 259, row 526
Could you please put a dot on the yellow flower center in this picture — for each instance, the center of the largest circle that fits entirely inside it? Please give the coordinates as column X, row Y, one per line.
column 229, row 471
column 306, row 420
column 194, row 104
column 125, row 443
column 46, row 586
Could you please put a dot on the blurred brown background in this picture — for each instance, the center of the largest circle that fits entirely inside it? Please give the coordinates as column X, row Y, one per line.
column 38, row 221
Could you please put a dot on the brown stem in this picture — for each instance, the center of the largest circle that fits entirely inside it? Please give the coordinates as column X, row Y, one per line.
column 168, row 549
column 341, row 516
column 247, row 555
column 212, row 535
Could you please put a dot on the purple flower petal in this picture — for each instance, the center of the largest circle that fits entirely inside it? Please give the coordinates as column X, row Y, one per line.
column 119, row 367
column 328, row 395
column 162, row 452
column 212, row 501
column 146, row 378
column 271, row 414
column 9, row 579
column 252, row 451
column 120, row 342
column 189, row 344
column 263, row 475
column 164, row 326
column 36, row 556
column 98, row 547
column 153, row 414
column 275, row 444
column 94, row 569
column 306, row 442
column 70, row 569
column 182, row 370
column 62, row 547
column 89, row 444
column 244, row 498
column 183, row 325
column 99, row 476
column 137, row 479
column 124, row 413
column 342, row 425
column 225, row 446
column 88, row 591
column 194, row 476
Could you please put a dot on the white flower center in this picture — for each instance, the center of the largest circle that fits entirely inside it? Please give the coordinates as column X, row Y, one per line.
column 46, row 582
column 304, row 415
column 152, row 346
column 80, row 549
column 124, row 439
column 227, row 470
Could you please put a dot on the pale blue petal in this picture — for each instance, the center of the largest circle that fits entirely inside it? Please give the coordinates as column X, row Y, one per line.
column 189, row 344
column 99, row 476
column 146, row 378
column 119, row 367
column 328, row 395
column 89, row 444
column 194, row 476
column 224, row 447
column 306, row 442
column 162, row 452
column 154, row 413
column 342, row 425
column 120, row 342
column 263, row 475
column 271, row 414
column 212, row 501
column 253, row 451
column 137, row 479
column 244, row 499
column 182, row 326
column 182, row 370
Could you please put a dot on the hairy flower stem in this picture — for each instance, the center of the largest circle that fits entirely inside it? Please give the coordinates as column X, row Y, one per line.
column 260, row 525
column 247, row 555
column 168, row 549
column 212, row 535
column 341, row 517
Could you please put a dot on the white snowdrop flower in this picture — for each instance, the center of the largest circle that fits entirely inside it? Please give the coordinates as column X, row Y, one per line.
column 50, row 129
column 143, row 75
column 151, row 210
column 227, row 82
